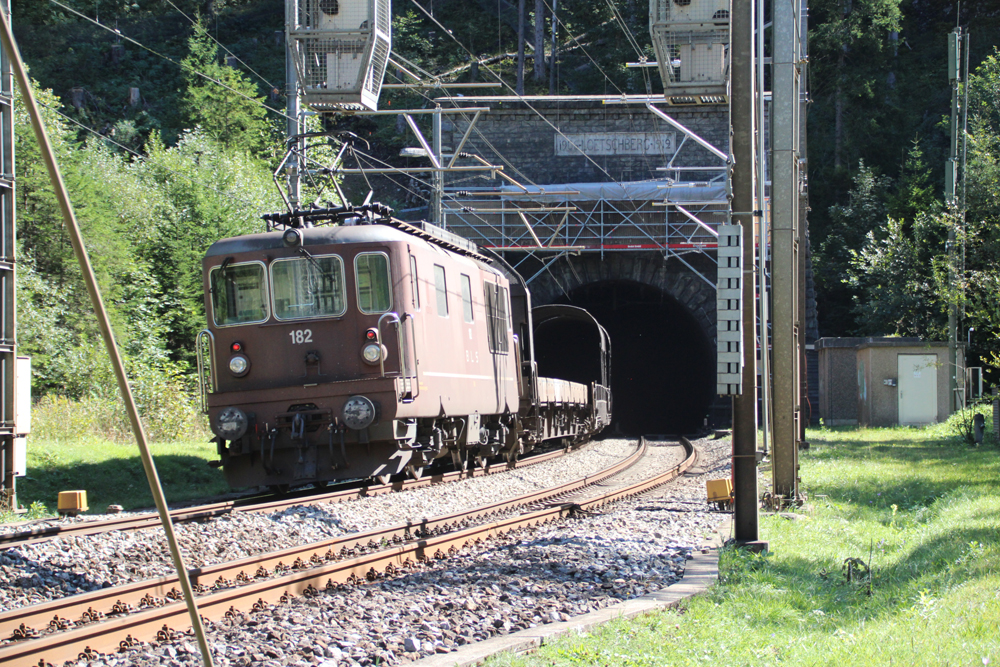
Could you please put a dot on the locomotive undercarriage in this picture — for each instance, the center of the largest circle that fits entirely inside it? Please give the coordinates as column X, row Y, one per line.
column 312, row 446
column 309, row 445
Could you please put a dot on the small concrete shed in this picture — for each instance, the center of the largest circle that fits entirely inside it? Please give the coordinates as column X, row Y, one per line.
column 884, row 381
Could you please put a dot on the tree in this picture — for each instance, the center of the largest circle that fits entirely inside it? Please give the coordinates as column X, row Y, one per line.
column 900, row 287
column 222, row 101
column 849, row 226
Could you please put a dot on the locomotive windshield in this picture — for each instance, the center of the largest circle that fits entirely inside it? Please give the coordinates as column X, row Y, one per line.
column 238, row 294
column 308, row 287
column 372, row 271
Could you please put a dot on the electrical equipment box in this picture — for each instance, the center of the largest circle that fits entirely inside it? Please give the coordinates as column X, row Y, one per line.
column 340, row 49
column 729, row 311
column 72, row 503
column 720, row 491
column 22, row 396
column 691, row 41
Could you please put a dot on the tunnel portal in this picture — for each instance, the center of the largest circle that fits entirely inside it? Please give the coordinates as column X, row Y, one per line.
column 662, row 362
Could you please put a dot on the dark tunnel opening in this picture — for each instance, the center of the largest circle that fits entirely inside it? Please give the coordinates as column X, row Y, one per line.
column 662, row 363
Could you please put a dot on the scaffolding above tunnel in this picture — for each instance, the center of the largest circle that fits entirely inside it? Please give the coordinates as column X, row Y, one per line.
column 676, row 219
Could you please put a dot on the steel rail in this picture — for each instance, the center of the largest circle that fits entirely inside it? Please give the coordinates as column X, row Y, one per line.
column 121, row 599
column 156, row 623
column 211, row 510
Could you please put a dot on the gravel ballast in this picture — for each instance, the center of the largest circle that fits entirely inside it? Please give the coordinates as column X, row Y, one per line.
column 539, row 576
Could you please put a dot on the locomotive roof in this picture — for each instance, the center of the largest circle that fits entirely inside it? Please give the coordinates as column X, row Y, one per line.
column 310, row 236
column 338, row 234
column 325, row 235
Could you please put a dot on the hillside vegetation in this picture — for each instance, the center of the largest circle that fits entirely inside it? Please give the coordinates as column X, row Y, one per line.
column 190, row 161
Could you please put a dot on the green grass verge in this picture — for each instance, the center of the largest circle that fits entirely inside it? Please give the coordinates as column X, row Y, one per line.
column 112, row 474
column 921, row 510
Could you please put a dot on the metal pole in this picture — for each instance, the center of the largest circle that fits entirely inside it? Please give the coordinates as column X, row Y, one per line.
column 520, row 47
column 8, row 320
column 292, row 126
column 437, row 195
column 108, row 334
column 552, row 65
column 741, row 113
column 801, row 51
column 785, row 261
column 954, row 48
column 764, row 242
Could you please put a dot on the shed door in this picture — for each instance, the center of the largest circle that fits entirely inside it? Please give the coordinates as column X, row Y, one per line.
column 917, row 388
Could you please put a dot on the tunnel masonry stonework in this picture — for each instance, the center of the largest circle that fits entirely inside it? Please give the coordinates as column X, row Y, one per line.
column 533, row 135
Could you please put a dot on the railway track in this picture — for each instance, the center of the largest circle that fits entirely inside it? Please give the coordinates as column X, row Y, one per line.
column 212, row 510
column 115, row 619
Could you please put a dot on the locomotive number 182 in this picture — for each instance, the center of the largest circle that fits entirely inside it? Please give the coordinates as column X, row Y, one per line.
column 300, row 336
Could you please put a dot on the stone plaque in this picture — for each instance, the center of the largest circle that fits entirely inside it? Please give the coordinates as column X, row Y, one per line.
column 615, row 143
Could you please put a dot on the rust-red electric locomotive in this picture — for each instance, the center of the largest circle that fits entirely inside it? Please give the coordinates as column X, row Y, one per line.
column 369, row 347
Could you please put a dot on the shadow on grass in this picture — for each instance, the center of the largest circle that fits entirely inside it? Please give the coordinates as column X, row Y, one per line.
column 915, row 474
column 803, row 585
column 122, row 481
column 945, row 500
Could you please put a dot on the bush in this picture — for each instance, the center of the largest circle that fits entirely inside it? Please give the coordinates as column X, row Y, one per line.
column 168, row 412
column 962, row 423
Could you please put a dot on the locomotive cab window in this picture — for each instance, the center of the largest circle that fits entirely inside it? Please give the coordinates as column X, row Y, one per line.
column 239, row 295
column 496, row 317
column 308, row 287
column 467, row 298
column 374, row 288
column 441, row 290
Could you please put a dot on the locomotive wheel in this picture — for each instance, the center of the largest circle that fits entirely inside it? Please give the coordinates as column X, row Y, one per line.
column 383, row 479
column 415, row 472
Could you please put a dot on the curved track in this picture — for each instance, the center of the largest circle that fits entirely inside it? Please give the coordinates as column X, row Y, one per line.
column 212, row 510
column 118, row 618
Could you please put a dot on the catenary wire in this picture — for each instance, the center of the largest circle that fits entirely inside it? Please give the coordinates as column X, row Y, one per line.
column 169, row 59
column 512, row 90
column 224, row 48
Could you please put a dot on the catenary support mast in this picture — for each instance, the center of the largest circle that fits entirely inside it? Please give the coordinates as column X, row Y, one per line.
column 745, row 212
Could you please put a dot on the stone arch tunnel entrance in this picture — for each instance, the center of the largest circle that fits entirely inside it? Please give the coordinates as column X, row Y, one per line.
column 662, row 360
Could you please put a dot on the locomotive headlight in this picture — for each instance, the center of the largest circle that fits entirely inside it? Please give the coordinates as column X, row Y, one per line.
column 372, row 353
column 230, row 424
column 359, row 412
column 239, row 365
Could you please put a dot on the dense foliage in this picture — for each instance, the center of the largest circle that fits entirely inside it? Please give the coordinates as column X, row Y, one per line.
column 147, row 220
column 168, row 143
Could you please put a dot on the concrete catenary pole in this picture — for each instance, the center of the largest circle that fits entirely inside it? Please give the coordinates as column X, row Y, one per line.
column 785, row 179
column 741, row 112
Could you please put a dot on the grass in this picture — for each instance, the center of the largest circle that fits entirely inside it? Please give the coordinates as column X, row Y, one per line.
column 918, row 507
column 87, row 445
column 112, row 474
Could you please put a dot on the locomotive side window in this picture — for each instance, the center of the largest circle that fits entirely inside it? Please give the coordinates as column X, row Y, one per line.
column 496, row 317
column 441, row 290
column 308, row 287
column 374, row 292
column 238, row 294
column 467, row 298
column 414, row 283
